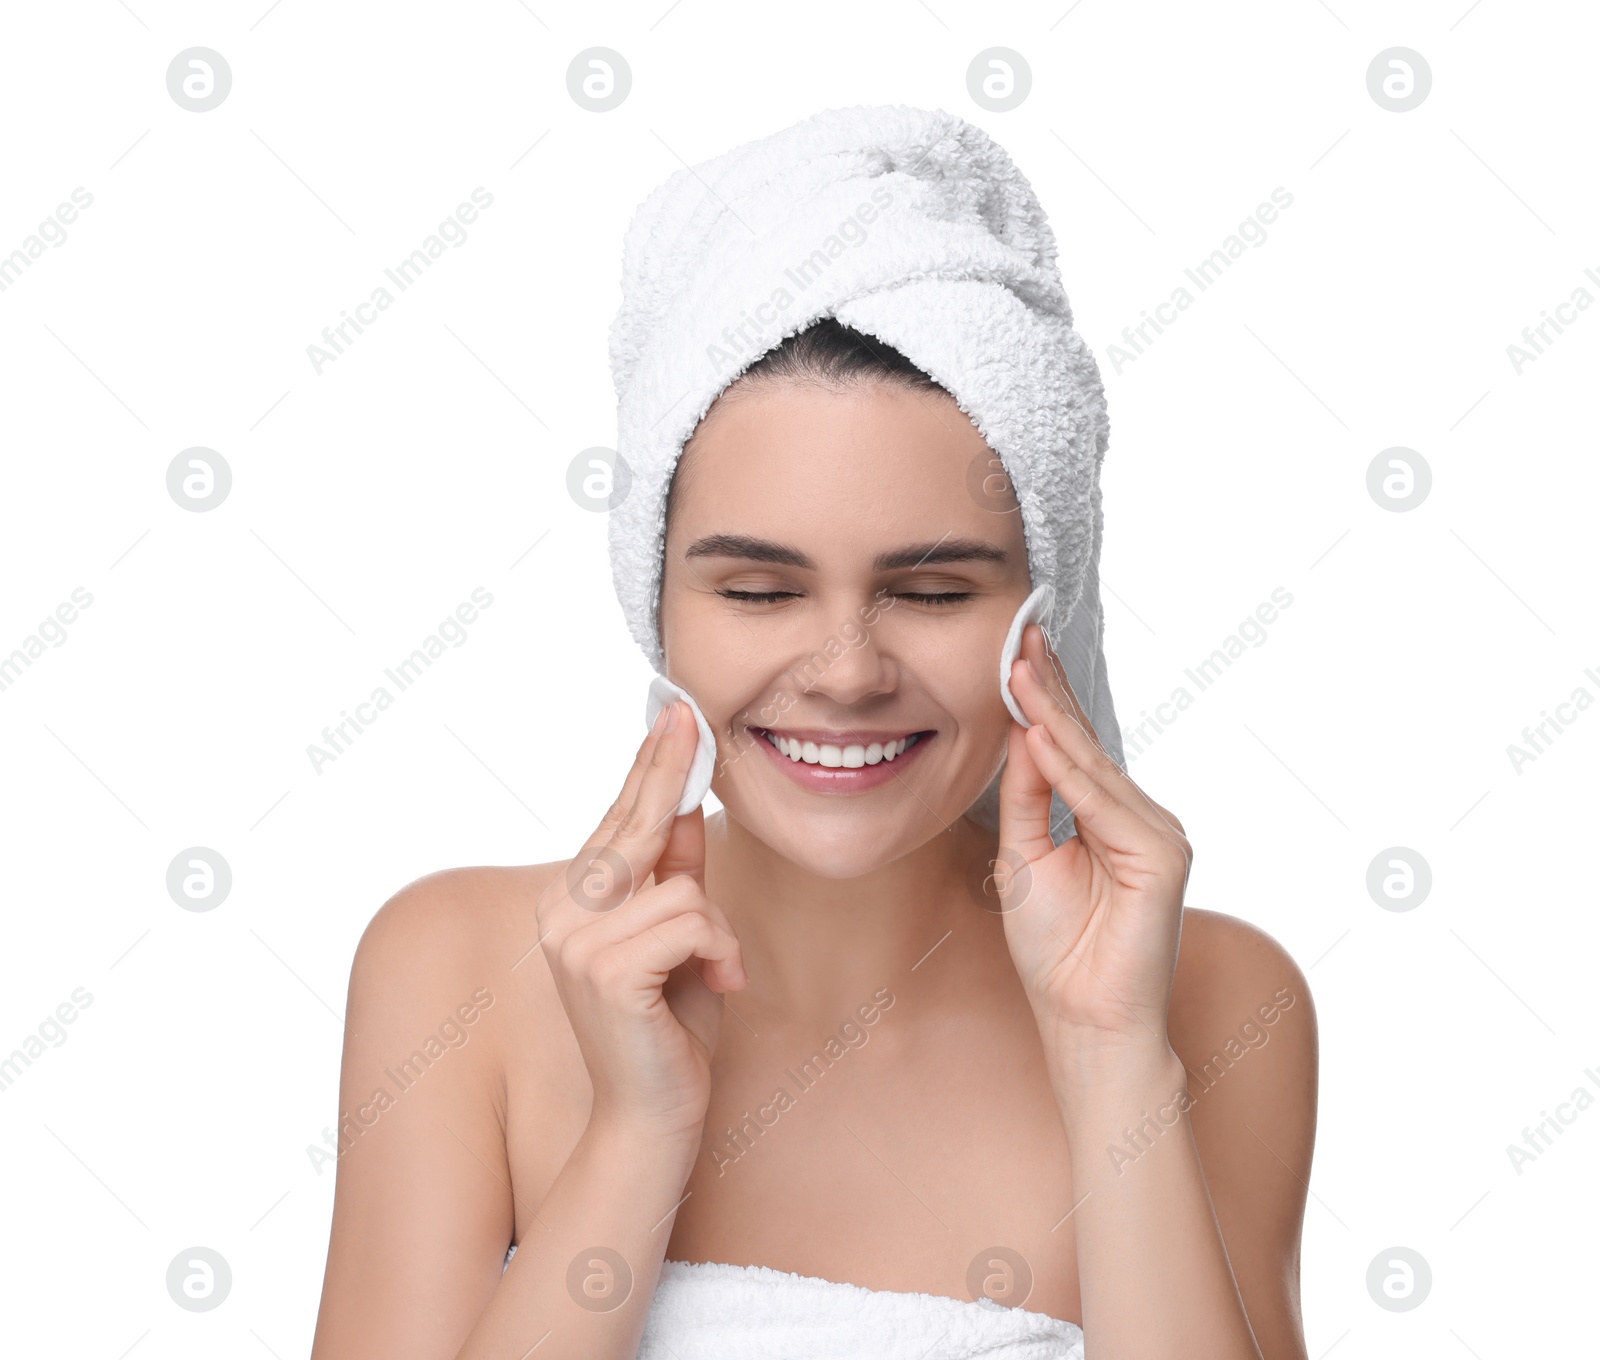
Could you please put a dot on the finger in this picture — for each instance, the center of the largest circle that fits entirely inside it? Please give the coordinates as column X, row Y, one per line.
column 642, row 834
column 1096, row 810
column 1052, row 712
column 1055, row 705
column 685, row 850
column 1171, row 817
column 1044, row 707
column 640, row 913
column 1024, row 801
column 1050, row 672
column 630, row 786
column 1054, row 675
column 652, row 954
column 1094, row 776
column 601, row 877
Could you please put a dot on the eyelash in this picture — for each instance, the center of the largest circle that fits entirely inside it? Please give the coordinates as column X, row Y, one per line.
column 773, row 596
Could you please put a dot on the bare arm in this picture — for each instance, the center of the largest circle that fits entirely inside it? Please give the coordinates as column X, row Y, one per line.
column 1152, row 1267
column 580, row 1285
column 1245, row 1026
column 422, row 1210
column 424, row 1202
column 1177, row 1255
column 1192, row 1175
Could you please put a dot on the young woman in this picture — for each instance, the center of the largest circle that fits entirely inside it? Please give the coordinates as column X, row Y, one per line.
column 805, row 1034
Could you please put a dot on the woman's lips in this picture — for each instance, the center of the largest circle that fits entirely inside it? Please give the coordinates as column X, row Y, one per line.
column 818, row 778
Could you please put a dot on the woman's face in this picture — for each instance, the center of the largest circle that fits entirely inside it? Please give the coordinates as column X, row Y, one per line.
column 838, row 582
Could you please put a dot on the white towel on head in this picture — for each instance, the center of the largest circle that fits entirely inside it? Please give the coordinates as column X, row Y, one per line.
column 913, row 226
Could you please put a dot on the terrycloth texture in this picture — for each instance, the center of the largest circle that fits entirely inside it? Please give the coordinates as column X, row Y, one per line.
column 715, row 1311
column 913, row 226
column 725, row 1312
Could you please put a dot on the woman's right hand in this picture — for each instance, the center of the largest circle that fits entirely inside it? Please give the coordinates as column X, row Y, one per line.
column 639, row 968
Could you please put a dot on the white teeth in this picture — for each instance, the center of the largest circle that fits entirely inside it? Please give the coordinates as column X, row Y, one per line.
column 839, row 757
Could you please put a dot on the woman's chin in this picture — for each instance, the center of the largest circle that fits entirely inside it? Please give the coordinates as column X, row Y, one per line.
column 849, row 855
column 836, row 843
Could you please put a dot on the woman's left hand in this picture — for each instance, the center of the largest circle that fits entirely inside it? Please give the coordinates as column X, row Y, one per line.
column 1092, row 923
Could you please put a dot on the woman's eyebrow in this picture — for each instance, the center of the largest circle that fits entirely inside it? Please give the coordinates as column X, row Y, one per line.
column 750, row 549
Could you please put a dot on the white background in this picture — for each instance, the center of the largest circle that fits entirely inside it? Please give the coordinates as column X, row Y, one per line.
column 431, row 457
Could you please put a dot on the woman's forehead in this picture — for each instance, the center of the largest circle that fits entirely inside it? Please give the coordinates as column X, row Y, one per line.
column 870, row 454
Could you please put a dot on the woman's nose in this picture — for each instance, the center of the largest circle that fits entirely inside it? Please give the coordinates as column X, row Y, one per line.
column 848, row 667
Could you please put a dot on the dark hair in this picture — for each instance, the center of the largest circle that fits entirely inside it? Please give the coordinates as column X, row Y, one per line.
column 829, row 351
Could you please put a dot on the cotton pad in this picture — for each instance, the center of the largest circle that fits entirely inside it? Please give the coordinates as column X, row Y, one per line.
column 698, row 784
column 1035, row 609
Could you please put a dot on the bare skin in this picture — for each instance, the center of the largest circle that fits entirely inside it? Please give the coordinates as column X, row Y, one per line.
column 968, row 1112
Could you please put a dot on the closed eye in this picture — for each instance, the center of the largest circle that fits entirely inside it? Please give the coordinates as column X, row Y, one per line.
column 757, row 597
column 938, row 597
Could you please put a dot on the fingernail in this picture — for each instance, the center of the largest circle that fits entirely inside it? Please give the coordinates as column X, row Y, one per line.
column 661, row 719
column 1032, row 674
column 672, row 715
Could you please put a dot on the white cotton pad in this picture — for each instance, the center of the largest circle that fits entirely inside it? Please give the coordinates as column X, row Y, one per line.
column 1035, row 609
column 698, row 784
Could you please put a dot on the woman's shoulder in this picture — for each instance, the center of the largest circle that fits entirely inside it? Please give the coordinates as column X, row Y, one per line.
column 1243, row 1024
column 471, row 930
column 1213, row 939
column 448, row 993
column 465, row 910
column 1232, row 976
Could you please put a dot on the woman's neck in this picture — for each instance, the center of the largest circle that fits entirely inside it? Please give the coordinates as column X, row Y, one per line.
column 816, row 948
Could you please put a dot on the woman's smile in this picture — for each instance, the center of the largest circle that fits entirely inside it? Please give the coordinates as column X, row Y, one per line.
column 841, row 760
